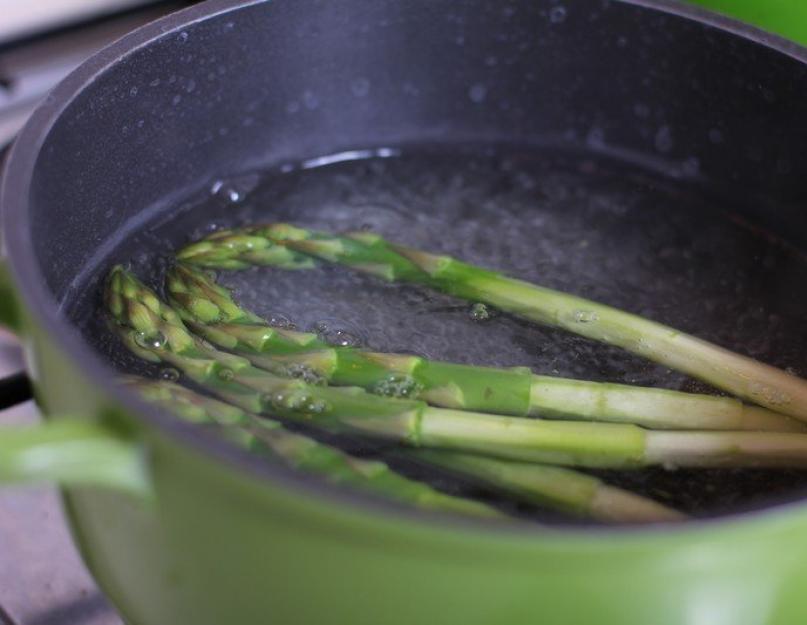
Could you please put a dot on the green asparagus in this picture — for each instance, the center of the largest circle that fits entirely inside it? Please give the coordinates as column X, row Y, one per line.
column 366, row 252
column 302, row 452
column 155, row 331
column 552, row 487
column 210, row 311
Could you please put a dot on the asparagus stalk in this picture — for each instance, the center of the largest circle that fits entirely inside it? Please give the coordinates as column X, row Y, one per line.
column 301, row 452
column 210, row 311
column 560, row 489
column 740, row 375
column 155, row 332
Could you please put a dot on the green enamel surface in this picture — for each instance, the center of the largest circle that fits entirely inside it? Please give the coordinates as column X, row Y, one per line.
column 784, row 17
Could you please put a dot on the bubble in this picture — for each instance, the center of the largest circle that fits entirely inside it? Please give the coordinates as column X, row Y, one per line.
column 477, row 93
column 154, row 340
column 360, row 87
column 342, row 338
column 557, row 14
column 400, row 386
column 305, row 373
column 303, row 403
column 480, row 312
column 585, row 316
column 338, row 337
column 170, row 374
column 225, row 374
column 279, row 320
column 234, row 190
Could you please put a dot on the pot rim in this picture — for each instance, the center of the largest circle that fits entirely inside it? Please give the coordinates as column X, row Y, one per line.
column 40, row 306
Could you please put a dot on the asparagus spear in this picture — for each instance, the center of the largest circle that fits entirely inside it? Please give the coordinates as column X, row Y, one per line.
column 210, row 311
column 552, row 487
column 302, row 452
column 740, row 375
column 155, row 332
column 562, row 489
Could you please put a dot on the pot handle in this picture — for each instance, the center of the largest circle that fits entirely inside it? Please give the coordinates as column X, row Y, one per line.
column 67, row 451
column 73, row 452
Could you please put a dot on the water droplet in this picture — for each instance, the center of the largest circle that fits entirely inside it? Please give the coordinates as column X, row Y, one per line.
column 182, row 37
column 670, row 466
column 176, row 99
column 170, row 374
column 585, row 316
column 133, row 91
column 478, row 92
column 225, row 374
column 595, row 138
column 715, row 135
column 664, row 139
column 191, row 86
column 292, row 107
column 396, row 385
column 310, row 100
column 155, row 340
column 691, row 166
column 491, row 61
column 155, row 82
column 557, row 14
column 360, row 87
column 792, row 371
column 459, row 40
column 480, row 312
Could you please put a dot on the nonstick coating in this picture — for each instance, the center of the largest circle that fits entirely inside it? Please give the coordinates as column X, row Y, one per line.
column 286, row 81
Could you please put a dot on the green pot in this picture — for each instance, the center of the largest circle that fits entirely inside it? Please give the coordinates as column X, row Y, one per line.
column 787, row 18
column 179, row 528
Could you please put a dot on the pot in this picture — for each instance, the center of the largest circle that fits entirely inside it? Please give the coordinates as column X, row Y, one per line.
column 177, row 526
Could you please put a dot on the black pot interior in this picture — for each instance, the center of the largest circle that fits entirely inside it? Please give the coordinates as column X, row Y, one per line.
column 658, row 96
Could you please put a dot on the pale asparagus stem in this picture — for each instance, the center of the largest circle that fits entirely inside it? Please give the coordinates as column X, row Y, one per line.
column 551, row 487
column 211, row 311
column 737, row 374
column 563, row 489
column 154, row 331
column 261, row 434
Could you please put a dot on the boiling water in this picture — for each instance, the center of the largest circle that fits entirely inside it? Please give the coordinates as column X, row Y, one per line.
column 585, row 226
